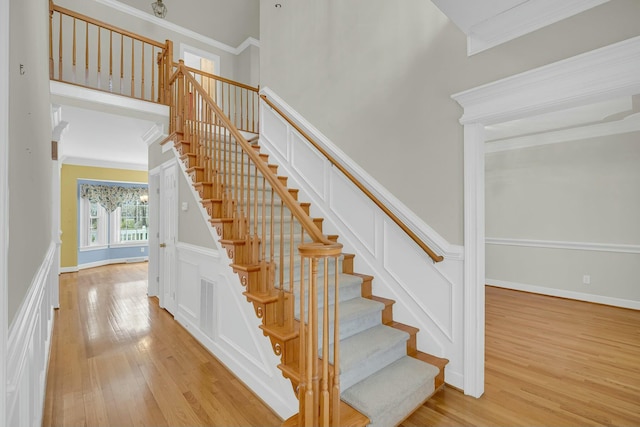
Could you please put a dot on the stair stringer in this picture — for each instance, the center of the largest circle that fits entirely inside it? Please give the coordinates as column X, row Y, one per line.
column 258, row 372
column 428, row 295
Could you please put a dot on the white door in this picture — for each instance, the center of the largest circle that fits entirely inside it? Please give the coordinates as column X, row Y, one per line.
column 168, row 237
column 153, row 287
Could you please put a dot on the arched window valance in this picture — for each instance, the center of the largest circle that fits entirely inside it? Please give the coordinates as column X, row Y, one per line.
column 111, row 196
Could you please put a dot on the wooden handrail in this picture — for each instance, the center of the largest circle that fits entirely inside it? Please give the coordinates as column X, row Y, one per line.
column 281, row 190
column 435, row 257
column 222, row 79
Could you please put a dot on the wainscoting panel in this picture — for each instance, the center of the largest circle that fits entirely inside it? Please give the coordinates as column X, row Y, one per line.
column 354, row 209
column 427, row 295
column 212, row 308
column 310, row 164
column 276, row 131
column 403, row 260
column 28, row 346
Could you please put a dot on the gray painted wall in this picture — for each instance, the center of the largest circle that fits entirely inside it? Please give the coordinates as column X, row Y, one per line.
column 107, row 14
column 376, row 78
column 192, row 228
column 30, row 165
column 228, row 21
column 578, row 191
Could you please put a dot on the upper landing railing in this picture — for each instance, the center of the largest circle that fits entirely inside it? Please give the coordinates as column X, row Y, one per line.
column 86, row 52
column 94, row 54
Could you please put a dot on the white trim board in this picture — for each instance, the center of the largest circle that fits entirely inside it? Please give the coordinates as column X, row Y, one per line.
column 4, row 202
column 98, row 163
column 626, row 125
column 561, row 293
column 431, row 237
column 601, row 74
column 555, row 244
column 111, row 261
column 249, row 41
column 525, row 18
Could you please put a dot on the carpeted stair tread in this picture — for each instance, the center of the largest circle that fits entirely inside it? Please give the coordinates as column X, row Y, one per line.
column 356, row 315
column 369, row 351
column 391, row 394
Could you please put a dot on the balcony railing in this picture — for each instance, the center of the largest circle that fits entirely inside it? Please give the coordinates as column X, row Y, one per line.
column 94, row 54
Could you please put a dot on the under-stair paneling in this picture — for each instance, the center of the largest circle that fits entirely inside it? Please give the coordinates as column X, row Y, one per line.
column 210, row 305
column 428, row 295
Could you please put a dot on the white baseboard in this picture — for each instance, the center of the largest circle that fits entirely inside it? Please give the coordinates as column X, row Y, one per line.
column 112, row 261
column 580, row 296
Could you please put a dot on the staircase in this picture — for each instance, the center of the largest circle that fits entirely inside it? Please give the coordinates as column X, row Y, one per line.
column 349, row 362
column 298, row 279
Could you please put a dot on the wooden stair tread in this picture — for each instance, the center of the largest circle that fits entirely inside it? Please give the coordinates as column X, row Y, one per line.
column 349, row 417
column 438, row 362
column 265, row 298
column 411, row 330
column 282, row 333
column 385, row 301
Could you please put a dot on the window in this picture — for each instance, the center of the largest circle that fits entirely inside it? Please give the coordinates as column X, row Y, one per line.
column 93, row 225
column 112, row 215
column 130, row 223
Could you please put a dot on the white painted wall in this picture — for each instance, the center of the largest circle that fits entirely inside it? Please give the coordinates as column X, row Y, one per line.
column 583, row 195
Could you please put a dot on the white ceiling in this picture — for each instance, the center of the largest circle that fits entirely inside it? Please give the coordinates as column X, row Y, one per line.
column 488, row 23
column 97, row 138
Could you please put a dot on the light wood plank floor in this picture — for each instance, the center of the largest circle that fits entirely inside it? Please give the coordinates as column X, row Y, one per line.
column 117, row 359
column 549, row 362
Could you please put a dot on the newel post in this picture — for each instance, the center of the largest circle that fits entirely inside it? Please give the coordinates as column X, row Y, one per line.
column 319, row 381
column 180, row 101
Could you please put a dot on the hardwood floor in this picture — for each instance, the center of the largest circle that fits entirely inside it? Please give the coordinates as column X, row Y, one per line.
column 549, row 362
column 117, row 359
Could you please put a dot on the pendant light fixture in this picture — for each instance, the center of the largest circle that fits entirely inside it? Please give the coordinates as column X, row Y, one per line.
column 159, row 9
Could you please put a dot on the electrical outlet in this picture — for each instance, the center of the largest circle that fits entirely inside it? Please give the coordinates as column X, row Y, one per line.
column 586, row 279
column 142, row 250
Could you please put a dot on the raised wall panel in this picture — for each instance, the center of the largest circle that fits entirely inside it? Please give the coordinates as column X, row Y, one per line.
column 206, row 306
column 275, row 130
column 188, row 289
column 414, row 271
column 309, row 164
column 354, row 209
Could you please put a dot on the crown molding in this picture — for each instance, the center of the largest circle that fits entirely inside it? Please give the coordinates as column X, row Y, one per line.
column 97, row 163
column 525, row 18
column 155, row 133
column 250, row 41
column 626, row 125
column 600, row 74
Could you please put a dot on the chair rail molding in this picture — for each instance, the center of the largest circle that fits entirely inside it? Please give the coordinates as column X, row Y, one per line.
column 601, row 74
column 556, row 244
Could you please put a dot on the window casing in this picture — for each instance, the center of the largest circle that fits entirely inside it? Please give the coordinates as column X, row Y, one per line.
column 93, row 225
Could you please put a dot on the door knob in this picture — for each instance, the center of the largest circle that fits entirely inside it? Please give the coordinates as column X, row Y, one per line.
column 163, row 245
